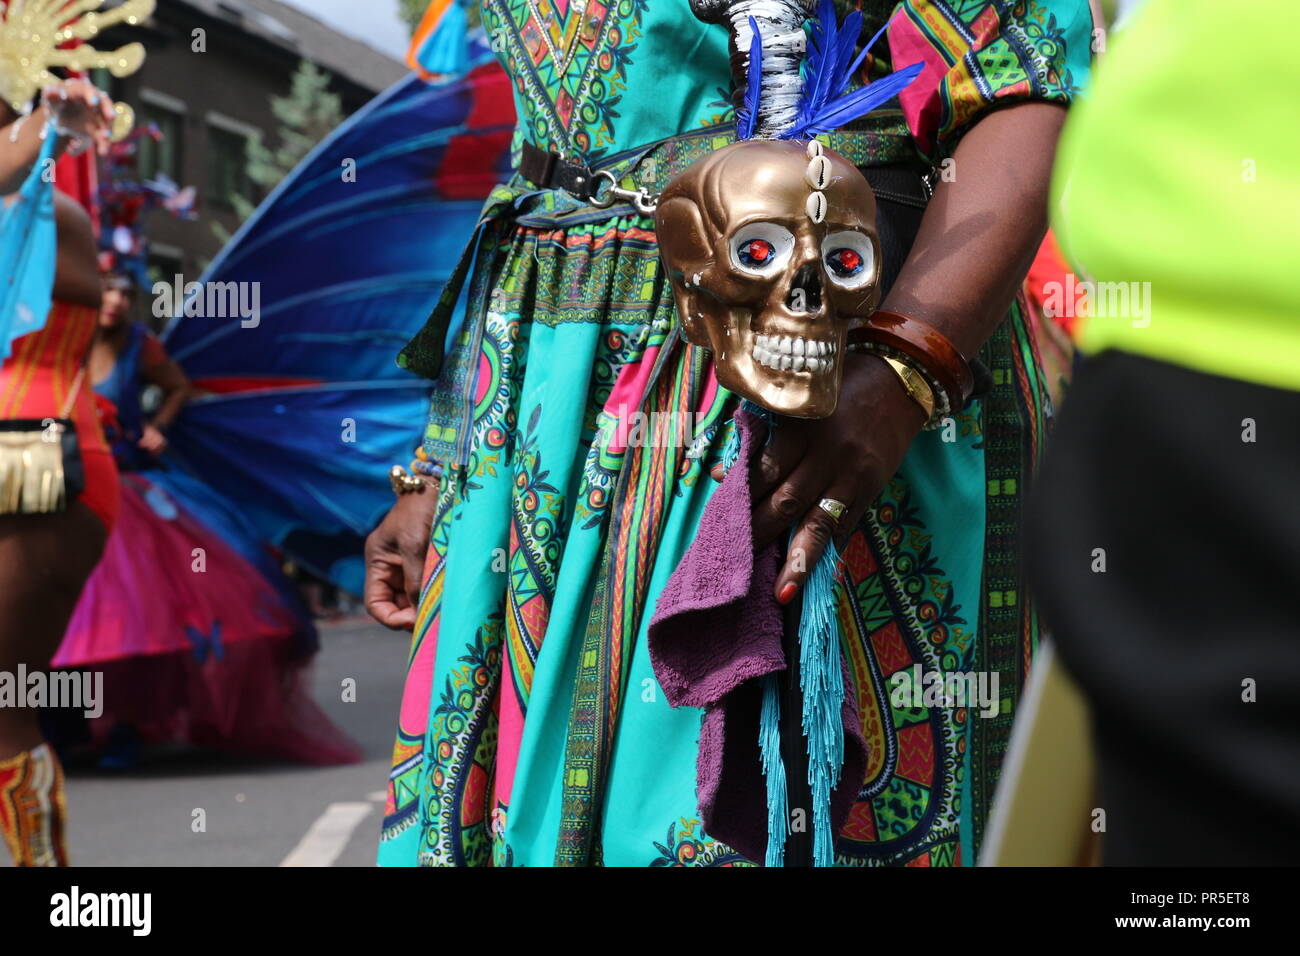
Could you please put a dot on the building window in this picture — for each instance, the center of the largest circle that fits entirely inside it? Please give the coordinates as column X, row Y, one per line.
column 164, row 156
column 227, row 167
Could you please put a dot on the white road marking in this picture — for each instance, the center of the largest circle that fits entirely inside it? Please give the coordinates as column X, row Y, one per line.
column 322, row 844
column 379, row 796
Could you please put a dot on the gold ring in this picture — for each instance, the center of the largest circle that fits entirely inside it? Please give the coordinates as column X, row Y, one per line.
column 833, row 508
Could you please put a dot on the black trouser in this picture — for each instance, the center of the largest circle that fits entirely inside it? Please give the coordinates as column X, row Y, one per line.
column 1199, row 601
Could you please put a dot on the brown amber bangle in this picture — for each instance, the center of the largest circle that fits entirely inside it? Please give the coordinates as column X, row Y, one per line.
column 926, row 346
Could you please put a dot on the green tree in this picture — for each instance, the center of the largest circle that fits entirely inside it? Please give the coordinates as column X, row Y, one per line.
column 306, row 116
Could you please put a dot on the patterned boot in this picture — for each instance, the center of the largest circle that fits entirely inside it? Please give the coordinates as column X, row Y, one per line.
column 32, row 808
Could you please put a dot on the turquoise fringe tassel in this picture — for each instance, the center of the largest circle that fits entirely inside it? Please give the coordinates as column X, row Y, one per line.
column 769, row 741
column 822, row 682
column 731, row 450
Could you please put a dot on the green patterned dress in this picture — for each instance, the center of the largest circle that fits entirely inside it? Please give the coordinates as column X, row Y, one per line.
column 532, row 729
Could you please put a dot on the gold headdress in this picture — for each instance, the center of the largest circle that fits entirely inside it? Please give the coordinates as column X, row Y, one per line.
column 31, row 32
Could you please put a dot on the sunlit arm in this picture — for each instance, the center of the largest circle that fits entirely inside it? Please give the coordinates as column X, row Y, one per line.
column 983, row 226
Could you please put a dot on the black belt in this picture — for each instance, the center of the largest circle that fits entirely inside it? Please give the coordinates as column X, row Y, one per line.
column 597, row 187
column 552, row 171
column 900, row 182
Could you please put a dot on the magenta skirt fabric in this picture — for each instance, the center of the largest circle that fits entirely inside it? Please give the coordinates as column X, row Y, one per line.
column 194, row 642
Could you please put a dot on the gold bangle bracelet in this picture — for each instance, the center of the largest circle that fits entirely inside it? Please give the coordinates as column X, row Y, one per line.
column 917, row 388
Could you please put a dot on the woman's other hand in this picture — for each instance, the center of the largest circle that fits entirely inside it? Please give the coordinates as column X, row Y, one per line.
column 152, row 440
column 395, row 554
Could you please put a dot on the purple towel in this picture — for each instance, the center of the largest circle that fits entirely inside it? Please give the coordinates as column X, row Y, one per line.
column 716, row 628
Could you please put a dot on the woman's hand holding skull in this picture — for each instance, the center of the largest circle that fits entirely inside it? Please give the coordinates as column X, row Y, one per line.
column 848, row 457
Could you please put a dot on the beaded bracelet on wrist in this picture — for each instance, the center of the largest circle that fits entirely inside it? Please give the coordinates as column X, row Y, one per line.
column 942, row 405
column 422, row 472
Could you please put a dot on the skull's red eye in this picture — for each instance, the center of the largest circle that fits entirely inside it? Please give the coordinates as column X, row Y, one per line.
column 756, row 252
column 845, row 263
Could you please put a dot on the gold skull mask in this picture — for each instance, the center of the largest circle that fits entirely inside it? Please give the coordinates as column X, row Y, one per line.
column 772, row 251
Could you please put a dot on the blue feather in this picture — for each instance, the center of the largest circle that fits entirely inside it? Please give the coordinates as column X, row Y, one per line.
column 814, row 65
column 749, row 111
column 865, row 50
column 829, row 44
column 856, row 104
column 829, row 68
column 847, row 39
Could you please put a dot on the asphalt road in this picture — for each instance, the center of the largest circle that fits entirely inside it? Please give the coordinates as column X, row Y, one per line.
column 257, row 814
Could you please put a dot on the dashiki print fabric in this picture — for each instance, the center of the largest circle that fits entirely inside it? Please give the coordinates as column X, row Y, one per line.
column 532, row 731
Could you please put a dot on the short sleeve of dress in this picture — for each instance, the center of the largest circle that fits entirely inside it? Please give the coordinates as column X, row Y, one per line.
column 982, row 54
column 152, row 352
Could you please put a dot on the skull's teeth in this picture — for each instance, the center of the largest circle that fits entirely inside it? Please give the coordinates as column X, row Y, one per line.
column 784, row 353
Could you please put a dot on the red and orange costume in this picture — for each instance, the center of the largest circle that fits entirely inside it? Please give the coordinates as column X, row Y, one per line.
column 35, row 382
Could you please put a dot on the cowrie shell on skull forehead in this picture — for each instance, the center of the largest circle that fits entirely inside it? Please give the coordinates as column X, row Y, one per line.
column 815, row 148
column 816, row 207
column 818, row 173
